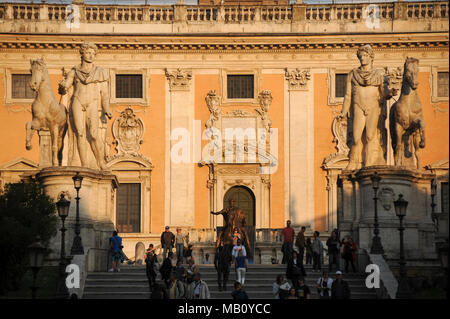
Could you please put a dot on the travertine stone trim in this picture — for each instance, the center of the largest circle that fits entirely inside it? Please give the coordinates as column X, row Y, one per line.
column 179, row 80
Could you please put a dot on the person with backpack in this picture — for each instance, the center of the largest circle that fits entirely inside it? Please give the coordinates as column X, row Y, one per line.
column 349, row 253
column 116, row 249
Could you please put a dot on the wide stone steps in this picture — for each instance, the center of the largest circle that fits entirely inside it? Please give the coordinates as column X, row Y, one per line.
column 132, row 283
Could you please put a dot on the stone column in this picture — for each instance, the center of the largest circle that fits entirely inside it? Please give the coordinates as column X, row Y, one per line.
column 181, row 180
column 301, row 147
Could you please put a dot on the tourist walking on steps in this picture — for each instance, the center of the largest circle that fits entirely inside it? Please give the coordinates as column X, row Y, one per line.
column 303, row 291
column 241, row 267
column 166, row 268
column 340, row 288
column 317, row 249
column 287, row 234
column 279, row 286
column 151, row 263
column 116, row 249
column 334, row 257
column 180, row 239
column 324, row 284
column 167, row 241
column 300, row 243
column 294, row 269
column 308, row 250
column 175, row 288
column 198, row 289
column 349, row 253
column 238, row 293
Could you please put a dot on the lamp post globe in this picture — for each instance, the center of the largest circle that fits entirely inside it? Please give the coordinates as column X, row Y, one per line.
column 36, row 252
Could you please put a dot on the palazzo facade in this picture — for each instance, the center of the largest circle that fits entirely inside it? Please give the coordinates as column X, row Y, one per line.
column 180, row 76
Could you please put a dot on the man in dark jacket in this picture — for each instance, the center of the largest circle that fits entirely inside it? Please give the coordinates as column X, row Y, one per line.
column 333, row 251
column 167, row 241
column 238, row 293
column 340, row 288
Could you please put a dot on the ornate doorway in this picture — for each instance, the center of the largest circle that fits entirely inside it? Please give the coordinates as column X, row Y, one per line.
column 244, row 199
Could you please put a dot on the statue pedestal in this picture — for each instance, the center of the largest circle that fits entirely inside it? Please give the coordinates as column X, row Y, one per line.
column 356, row 210
column 97, row 212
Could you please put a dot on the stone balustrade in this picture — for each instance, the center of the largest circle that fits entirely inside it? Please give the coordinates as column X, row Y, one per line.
column 226, row 14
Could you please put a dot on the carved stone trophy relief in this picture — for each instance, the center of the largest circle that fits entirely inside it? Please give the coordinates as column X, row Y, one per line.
column 128, row 131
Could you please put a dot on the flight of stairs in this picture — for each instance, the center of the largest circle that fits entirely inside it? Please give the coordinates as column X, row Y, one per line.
column 132, row 283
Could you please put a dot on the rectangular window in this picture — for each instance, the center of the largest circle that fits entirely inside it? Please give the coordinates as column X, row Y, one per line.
column 240, row 86
column 21, row 86
column 128, row 208
column 444, row 197
column 442, row 84
column 340, row 81
column 128, row 86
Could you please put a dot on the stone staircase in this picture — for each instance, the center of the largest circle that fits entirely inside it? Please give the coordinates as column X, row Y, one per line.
column 131, row 283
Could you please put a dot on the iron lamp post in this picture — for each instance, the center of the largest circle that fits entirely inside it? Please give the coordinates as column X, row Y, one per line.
column 434, row 215
column 63, row 211
column 36, row 254
column 77, row 246
column 403, row 290
column 376, row 248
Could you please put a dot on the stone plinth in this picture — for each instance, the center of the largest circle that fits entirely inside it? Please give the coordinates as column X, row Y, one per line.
column 356, row 215
column 97, row 212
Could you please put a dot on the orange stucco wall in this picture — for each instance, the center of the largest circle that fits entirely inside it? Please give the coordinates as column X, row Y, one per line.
column 323, row 146
column 275, row 83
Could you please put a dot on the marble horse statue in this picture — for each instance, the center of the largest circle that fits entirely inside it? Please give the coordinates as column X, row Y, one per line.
column 406, row 121
column 47, row 112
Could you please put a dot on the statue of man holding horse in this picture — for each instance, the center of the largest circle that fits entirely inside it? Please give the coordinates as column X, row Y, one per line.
column 366, row 94
column 90, row 82
column 233, row 217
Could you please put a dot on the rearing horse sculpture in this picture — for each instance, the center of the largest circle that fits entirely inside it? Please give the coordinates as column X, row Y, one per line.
column 47, row 112
column 406, row 119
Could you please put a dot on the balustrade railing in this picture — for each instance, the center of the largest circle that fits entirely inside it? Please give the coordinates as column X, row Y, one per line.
column 225, row 14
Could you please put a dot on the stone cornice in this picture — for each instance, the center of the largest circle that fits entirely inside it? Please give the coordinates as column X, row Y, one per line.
column 224, row 44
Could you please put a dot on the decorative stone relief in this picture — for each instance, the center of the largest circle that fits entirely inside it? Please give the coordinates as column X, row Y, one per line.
column 213, row 101
column 229, row 183
column 387, row 197
column 179, row 79
column 342, row 138
column 297, row 79
column 128, row 131
column 239, row 113
column 265, row 101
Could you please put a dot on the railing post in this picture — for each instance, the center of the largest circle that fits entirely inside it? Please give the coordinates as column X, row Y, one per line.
column 221, row 13
column 298, row 12
column 43, row 12
column 179, row 12
column 401, row 10
column 9, row 13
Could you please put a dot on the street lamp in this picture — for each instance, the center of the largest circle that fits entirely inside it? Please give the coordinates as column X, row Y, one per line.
column 36, row 253
column 376, row 248
column 63, row 211
column 403, row 290
column 77, row 246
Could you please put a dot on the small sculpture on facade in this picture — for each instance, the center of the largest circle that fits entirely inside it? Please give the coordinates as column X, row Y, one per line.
column 265, row 101
column 233, row 218
column 89, row 82
column 406, row 121
column 297, row 78
column 366, row 94
column 47, row 113
column 128, row 130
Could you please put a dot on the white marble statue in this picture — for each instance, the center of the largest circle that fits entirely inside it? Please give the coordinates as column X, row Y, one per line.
column 90, row 83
